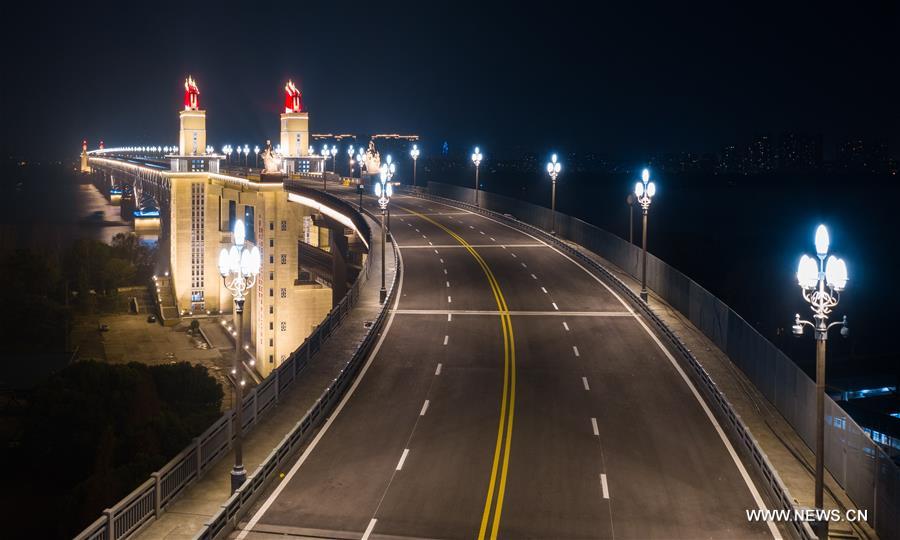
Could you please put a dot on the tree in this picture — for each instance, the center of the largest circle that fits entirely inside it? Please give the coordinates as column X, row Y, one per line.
column 95, row 431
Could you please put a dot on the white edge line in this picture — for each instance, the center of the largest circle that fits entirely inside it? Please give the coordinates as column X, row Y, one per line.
column 737, row 461
column 312, row 445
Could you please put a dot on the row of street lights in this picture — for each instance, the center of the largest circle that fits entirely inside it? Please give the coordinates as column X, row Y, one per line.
column 245, row 150
column 820, row 281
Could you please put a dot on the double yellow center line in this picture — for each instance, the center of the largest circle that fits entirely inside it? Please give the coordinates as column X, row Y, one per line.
column 497, row 484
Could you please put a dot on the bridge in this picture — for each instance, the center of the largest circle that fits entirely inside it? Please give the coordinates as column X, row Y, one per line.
column 512, row 385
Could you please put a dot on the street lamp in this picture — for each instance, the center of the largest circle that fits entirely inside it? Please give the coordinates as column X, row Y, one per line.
column 384, row 190
column 644, row 191
column 553, row 168
column 630, row 200
column 414, row 153
column 256, row 151
column 246, row 155
column 476, row 159
column 239, row 267
column 361, row 186
column 333, row 158
column 228, row 151
column 350, row 160
column 821, row 283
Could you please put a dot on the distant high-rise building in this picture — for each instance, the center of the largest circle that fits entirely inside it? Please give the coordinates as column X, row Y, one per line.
column 759, row 158
column 799, row 152
column 729, row 160
column 860, row 155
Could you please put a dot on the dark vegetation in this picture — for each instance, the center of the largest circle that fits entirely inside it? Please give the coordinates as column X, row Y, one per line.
column 92, row 433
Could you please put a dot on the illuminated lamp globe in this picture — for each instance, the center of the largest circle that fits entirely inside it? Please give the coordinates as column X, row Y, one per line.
column 224, row 262
column 836, row 273
column 807, row 272
column 822, row 241
column 240, row 232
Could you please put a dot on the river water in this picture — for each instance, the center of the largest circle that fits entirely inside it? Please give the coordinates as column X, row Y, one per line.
column 48, row 205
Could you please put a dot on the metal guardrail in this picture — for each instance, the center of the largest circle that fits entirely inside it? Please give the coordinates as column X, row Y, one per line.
column 242, row 500
column 740, row 431
column 150, row 499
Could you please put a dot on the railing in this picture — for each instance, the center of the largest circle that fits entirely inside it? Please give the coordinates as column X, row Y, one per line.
column 242, row 500
column 148, row 501
column 739, row 430
column 860, row 466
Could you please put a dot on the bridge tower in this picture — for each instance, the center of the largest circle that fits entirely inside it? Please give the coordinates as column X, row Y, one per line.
column 192, row 137
column 294, row 123
column 85, row 167
column 295, row 132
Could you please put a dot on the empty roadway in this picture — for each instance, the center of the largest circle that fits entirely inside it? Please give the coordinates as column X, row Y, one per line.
column 607, row 439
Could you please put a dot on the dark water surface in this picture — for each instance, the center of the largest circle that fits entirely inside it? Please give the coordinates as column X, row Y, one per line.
column 49, row 205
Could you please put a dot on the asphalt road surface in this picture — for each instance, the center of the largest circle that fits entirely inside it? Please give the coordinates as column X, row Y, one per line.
column 513, row 395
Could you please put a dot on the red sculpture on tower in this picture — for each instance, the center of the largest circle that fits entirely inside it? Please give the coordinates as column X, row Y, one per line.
column 84, row 145
column 293, row 98
column 101, row 144
column 191, row 95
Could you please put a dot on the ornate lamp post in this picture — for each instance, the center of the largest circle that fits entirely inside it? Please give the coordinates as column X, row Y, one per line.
column 228, row 151
column 239, row 267
column 630, row 200
column 361, row 187
column 325, row 153
column 553, row 169
column 384, row 190
column 414, row 153
column 256, row 151
column 350, row 160
column 821, row 283
column 476, row 159
column 246, row 155
column 644, row 191
column 334, row 153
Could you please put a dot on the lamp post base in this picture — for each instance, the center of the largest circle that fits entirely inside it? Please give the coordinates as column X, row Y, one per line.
column 644, row 295
column 820, row 528
column 238, row 477
column 382, row 295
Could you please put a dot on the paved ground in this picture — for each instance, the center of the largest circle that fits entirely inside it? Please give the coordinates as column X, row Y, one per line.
column 793, row 460
column 184, row 518
column 513, row 395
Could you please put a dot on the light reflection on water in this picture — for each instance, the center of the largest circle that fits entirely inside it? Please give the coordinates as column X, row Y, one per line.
column 51, row 206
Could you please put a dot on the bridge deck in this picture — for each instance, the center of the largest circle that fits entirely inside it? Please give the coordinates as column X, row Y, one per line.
column 607, row 438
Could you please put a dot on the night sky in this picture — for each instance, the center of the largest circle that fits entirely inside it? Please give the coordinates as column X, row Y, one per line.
column 620, row 81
